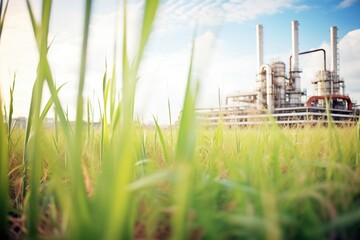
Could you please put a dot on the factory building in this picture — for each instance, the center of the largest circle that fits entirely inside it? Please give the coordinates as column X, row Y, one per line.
column 278, row 93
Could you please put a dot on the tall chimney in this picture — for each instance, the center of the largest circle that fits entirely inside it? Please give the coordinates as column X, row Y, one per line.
column 295, row 54
column 260, row 62
column 333, row 52
column 259, row 46
column 295, row 98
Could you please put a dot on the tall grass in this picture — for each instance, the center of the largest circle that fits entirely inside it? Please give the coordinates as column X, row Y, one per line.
column 4, row 181
column 4, row 147
column 184, row 154
column 117, row 147
column 3, row 11
column 11, row 110
column 126, row 181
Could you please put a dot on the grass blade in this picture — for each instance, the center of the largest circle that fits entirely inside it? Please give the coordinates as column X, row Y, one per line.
column 3, row 15
column 49, row 104
column 75, row 153
column 123, row 149
column 4, row 181
column 162, row 141
column 11, row 109
column 170, row 123
column 187, row 127
column 33, row 210
column 184, row 154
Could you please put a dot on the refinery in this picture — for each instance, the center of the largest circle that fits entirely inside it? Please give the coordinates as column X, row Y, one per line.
column 278, row 96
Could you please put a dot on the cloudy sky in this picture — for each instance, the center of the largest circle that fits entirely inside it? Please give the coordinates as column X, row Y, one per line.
column 225, row 47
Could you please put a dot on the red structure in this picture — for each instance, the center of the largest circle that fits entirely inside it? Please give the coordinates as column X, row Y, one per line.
column 336, row 101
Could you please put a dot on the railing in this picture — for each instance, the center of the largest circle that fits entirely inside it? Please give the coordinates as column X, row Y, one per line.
column 238, row 116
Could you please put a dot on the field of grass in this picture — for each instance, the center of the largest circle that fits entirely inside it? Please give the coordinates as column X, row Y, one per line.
column 258, row 183
column 127, row 181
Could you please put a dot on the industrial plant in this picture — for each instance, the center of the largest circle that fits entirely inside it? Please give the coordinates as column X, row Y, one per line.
column 278, row 96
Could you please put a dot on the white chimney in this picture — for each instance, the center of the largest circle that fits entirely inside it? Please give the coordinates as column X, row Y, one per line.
column 333, row 52
column 295, row 54
column 260, row 62
column 259, row 46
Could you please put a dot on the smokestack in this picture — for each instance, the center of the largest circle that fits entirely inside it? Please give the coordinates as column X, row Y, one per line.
column 295, row 54
column 295, row 45
column 295, row 97
column 259, row 46
column 333, row 52
column 260, row 62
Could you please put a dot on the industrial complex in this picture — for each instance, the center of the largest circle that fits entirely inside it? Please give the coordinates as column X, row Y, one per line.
column 278, row 96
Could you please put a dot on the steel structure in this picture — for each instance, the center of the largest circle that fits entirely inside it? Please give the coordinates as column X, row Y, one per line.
column 278, row 95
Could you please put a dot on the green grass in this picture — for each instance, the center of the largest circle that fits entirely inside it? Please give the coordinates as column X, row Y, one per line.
column 4, row 181
column 263, row 183
column 126, row 181
column 5, row 133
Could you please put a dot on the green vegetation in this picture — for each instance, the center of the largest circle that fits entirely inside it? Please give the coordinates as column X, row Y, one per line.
column 265, row 183
column 125, row 181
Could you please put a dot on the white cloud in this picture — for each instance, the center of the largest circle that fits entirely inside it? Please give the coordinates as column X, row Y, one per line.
column 164, row 76
column 184, row 14
column 350, row 62
column 204, row 48
column 346, row 4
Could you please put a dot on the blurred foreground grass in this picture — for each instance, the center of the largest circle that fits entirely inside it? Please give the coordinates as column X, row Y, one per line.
column 126, row 181
column 258, row 183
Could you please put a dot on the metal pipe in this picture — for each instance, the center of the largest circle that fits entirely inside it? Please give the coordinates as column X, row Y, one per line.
column 313, row 99
column 342, row 88
column 269, row 87
column 324, row 64
column 311, row 51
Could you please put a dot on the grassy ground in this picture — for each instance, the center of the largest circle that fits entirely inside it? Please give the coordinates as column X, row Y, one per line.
column 257, row 183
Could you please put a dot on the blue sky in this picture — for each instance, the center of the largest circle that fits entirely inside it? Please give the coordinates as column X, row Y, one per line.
column 225, row 47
